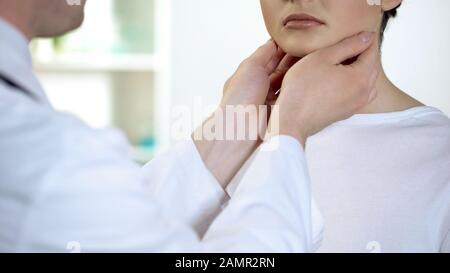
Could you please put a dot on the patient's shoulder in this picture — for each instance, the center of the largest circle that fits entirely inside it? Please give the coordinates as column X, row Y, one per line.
column 433, row 118
column 427, row 132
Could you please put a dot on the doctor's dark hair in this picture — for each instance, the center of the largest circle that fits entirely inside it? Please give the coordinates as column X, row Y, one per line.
column 386, row 17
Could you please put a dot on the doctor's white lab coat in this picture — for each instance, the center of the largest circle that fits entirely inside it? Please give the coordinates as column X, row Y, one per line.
column 63, row 184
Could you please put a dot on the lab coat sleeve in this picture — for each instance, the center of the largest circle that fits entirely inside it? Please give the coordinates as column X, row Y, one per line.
column 276, row 170
column 180, row 174
column 446, row 244
column 272, row 200
column 66, row 187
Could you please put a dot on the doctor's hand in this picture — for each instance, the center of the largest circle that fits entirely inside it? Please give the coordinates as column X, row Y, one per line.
column 256, row 78
column 319, row 90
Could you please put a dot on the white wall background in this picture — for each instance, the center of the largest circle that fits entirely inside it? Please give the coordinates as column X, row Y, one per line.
column 209, row 38
column 417, row 51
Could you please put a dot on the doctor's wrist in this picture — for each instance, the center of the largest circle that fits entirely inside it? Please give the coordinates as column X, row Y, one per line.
column 279, row 128
column 222, row 157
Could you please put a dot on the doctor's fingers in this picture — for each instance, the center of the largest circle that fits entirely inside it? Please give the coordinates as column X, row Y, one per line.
column 267, row 56
column 348, row 48
column 367, row 61
column 365, row 71
column 276, row 78
column 276, row 61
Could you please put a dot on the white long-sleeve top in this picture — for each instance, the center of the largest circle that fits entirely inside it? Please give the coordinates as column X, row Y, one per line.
column 65, row 185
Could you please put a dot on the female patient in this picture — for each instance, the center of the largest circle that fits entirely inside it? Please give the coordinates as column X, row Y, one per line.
column 381, row 178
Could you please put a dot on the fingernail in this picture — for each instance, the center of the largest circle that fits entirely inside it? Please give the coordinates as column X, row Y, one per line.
column 366, row 36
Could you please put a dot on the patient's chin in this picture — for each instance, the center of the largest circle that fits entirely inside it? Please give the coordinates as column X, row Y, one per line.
column 303, row 45
column 296, row 50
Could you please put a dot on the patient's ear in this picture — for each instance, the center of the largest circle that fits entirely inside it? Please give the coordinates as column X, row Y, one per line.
column 387, row 5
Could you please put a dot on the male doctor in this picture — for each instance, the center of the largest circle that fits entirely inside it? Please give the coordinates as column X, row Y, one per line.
column 62, row 182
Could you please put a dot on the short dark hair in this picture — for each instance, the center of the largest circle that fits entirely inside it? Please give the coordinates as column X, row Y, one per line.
column 386, row 17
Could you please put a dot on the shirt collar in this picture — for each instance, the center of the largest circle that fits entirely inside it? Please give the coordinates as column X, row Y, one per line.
column 16, row 62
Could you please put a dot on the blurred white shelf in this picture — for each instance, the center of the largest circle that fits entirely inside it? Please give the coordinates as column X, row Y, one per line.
column 97, row 63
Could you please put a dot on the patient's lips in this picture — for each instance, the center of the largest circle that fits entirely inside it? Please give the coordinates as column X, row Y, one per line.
column 301, row 21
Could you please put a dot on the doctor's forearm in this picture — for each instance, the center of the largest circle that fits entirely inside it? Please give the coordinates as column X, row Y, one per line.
column 223, row 158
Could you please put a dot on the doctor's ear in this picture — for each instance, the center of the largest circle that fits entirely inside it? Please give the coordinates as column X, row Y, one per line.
column 387, row 5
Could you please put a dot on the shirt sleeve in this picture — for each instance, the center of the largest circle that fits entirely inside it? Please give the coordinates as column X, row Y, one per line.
column 181, row 175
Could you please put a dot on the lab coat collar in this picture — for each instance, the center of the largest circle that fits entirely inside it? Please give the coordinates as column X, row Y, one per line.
column 15, row 61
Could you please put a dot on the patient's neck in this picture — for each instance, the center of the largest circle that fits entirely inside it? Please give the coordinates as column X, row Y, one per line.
column 390, row 98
